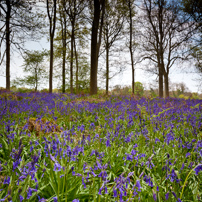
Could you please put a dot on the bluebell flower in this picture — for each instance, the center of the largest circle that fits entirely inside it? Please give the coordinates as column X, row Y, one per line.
column 55, row 199
column 41, row 199
column 83, row 183
column 182, row 166
column 29, row 193
column 200, row 152
column 174, row 194
column 188, row 154
column 21, row 198
column 154, row 196
column 75, row 200
column 108, row 143
column 7, row 180
column 142, row 173
column 115, row 193
column 198, row 169
column 57, row 167
column 157, row 188
column 100, row 191
column 106, row 192
column 138, row 185
column 167, row 195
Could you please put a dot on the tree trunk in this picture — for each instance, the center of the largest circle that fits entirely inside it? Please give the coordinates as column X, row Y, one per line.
column 107, row 61
column 166, row 83
column 95, row 43
column 36, row 79
column 64, row 51
column 63, row 67
column 51, row 66
column 71, row 60
column 107, row 69
column 160, row 81
column 77, row 67
column 52, row 21
column 8, row 31
column 131, row 48
column 94, row 54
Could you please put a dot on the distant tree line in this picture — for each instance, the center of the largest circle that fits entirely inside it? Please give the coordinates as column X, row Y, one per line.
column 161, row 32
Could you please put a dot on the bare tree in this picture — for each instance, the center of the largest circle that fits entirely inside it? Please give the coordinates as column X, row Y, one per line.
column 51, row 6
column 164, row 36
column 130, row 8
column 63, row 20
column 74, row 9
column 16, row 18
column 113, row 24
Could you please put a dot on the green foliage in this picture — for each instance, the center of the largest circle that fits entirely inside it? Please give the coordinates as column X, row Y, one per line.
column 153, row 93
column 33, row 65
column 139, row 89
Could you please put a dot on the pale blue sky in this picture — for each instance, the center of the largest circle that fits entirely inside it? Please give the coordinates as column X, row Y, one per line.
column 176, row 75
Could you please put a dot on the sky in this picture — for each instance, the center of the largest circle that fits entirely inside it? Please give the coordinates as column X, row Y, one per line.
column 177, row 75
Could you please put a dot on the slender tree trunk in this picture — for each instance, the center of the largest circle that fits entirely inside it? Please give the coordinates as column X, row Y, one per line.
column 36, row 79
column 160, row 81
column 63, row 23
column 107, row 60
column 77, row 67
column 166, row 82
column 51, row 66
column 107, row 68
column 161, row 32
column 71, row 60
column 131, row 48
column 52, row 21
column 8, row 31
column 64, row 39
column 63, row 67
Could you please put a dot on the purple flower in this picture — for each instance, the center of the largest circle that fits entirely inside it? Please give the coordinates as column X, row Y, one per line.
column 52, row 158
column 142, row 173
column 182, row 166
column 15, row 164
column 188, row 154
column 108, row 143
column 138, row 185
column 167, row 196
column 100, row 191
column 57, row 167
column 173, row 176
column 154, row 196
column 174, row 194
column 200, row 152
column 198, row 169
column 115, row 193
column 106, row 192
column 83, row 183
column 7, row 180
column 41, row 199
column 157, row 188
column 55, row 199
column 75, row 200
column 21, row 198
column 29, row 193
